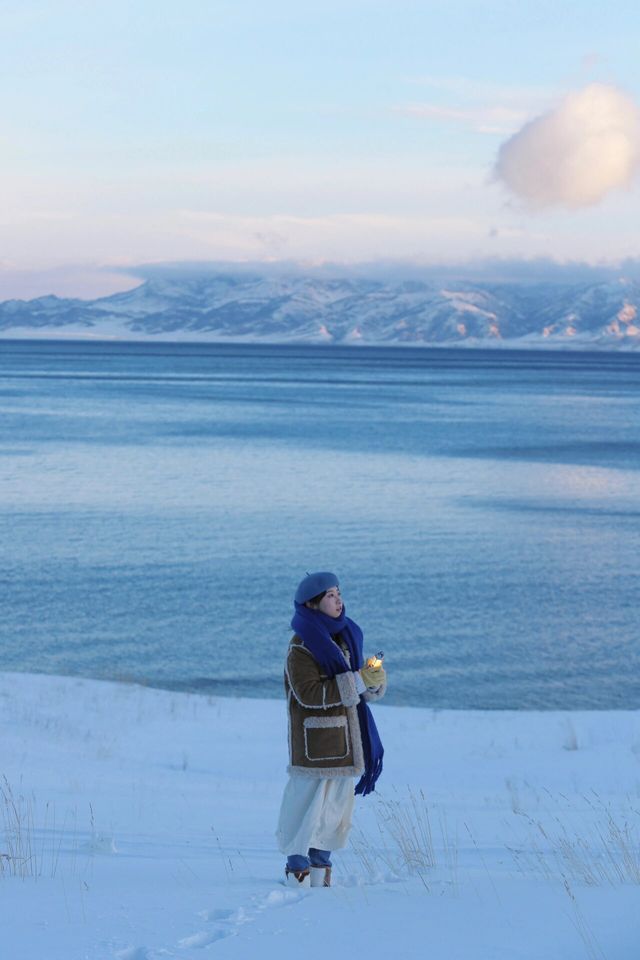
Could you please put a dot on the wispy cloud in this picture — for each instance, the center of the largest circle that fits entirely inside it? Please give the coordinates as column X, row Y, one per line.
column 74, row 280
column 496, row 119
column 477, row 89
column 481, row 106
column 345, row 237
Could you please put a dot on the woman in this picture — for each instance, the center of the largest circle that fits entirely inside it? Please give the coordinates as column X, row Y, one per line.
column 332, row 735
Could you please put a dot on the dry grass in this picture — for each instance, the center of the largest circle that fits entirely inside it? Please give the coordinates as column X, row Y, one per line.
column 18, row 854
column 405, row 843
column 27, row 851
column 592, row 947
column 594, row 846
column 407, row 824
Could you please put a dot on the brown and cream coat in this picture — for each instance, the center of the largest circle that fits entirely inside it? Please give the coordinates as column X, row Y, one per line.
column 324, row 730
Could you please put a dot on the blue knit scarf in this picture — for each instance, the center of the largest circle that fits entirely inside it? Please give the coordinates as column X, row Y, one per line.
column 315, row 629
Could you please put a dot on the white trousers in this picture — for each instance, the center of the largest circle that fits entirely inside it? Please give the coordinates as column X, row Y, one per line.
column 315, row 813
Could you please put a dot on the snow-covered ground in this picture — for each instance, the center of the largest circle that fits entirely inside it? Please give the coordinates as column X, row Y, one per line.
column 142, row 822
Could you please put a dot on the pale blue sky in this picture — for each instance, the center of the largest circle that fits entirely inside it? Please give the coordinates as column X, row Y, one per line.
column 150, row 131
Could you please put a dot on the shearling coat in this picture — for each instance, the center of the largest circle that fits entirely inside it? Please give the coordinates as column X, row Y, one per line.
column 324, row 730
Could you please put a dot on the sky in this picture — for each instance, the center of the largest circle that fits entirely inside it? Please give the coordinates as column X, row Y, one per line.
column 342, row 131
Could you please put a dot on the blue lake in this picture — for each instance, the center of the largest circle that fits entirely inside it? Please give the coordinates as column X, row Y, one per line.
column 160, row 502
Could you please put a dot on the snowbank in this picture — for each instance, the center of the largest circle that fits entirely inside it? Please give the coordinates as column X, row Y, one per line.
column 138, row 824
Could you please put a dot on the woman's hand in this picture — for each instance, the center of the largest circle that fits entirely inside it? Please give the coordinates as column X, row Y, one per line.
column 373, row 678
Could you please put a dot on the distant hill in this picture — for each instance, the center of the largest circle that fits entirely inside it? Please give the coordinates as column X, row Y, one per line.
column 256, row 307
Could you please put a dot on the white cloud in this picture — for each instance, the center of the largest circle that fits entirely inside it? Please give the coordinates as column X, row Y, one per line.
column 575, row 154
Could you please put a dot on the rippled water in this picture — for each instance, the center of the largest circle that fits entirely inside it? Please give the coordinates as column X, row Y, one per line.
column 159, row 503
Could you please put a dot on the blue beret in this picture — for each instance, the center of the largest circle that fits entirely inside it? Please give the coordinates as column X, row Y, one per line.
column 315, row 583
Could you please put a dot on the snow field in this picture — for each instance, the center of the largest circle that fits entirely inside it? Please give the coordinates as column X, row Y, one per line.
column 138, row 824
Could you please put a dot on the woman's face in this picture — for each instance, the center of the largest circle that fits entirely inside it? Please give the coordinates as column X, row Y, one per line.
column 331, row 603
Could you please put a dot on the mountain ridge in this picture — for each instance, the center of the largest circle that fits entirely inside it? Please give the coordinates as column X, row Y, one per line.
column 298, row 308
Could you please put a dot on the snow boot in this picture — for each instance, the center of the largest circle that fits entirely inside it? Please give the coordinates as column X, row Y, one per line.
column 320, row 876
column 297, row 878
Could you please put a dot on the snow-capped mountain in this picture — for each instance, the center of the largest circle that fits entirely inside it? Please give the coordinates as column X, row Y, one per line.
column 245, row 306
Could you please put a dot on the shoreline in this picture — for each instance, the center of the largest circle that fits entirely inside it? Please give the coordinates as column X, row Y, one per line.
column 526, row 346
column 211, row 695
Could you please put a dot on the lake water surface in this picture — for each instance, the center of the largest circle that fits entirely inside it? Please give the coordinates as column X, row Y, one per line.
column 160, row 502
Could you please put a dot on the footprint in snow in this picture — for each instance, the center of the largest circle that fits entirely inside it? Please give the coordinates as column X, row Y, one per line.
column 133, row 953
column 225, row 916
column 282, row 898
column 215, row 914
column 229, row 921
column 204, row 938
